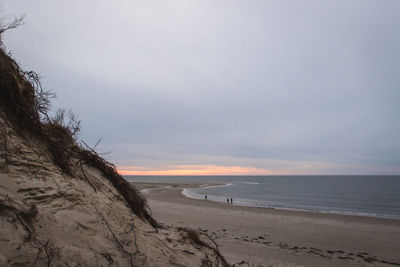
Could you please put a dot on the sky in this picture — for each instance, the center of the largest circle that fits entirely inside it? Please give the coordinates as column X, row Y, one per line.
column 222, row 87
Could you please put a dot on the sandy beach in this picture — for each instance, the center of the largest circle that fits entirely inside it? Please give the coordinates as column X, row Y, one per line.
column 271, row 237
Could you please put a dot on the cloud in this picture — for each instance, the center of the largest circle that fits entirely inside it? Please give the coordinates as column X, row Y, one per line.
column 198, row 82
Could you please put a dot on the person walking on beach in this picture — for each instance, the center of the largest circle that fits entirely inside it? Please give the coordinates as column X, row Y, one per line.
column 205, row 197
column 227, row 200
column 231, row 201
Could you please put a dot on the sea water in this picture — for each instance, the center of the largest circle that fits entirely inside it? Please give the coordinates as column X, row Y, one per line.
column 358, row 195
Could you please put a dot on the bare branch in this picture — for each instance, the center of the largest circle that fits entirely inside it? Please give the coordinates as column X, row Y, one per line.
column 42, row 97
column 12, row 25
column 97, row 143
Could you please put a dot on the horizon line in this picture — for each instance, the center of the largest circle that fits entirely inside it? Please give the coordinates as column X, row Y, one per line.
column 249, row 175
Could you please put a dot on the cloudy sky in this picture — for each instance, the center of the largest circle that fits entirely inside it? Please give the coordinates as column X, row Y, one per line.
column 223, row 86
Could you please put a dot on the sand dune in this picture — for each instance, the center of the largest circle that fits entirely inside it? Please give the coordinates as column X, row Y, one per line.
column 63, row 205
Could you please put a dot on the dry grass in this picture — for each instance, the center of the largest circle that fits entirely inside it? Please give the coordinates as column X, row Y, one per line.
column 17, row 96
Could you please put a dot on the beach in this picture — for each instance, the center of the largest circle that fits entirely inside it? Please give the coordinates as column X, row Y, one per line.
column 271, row 237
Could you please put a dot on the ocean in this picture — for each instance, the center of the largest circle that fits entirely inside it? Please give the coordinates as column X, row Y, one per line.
column 377, row 196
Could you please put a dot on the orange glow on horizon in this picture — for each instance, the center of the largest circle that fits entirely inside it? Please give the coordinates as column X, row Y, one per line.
column 195, row 170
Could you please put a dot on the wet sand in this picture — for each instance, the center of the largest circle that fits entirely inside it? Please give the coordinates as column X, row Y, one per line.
column 272, row 237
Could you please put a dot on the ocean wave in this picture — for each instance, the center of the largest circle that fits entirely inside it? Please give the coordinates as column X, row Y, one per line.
column 248, row 203
column 246, row 182
column 356, row 213
column 149, row 189
column 190, row 194
column 145, row 190
column 219, row 185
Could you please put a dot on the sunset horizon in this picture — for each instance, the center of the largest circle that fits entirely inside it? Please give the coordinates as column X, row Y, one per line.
column 214, row 170
column 202, row 170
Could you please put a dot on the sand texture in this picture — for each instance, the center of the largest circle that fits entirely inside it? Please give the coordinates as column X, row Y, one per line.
column 48, row 218
column 271, row 237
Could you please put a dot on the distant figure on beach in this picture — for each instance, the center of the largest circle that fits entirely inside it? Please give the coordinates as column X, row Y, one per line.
column 205, row 197
column 227, row 200
column 231, row 201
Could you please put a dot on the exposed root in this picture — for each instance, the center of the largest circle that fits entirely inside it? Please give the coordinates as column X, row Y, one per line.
column 240, row 264
column 116, row 240
column 25, row 217
column 155, row 237
column 3, row 135
column 49, row 251
column 84, row 175
column 195, row 238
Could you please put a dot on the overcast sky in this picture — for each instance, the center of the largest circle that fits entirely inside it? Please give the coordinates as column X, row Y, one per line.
column 223, row 86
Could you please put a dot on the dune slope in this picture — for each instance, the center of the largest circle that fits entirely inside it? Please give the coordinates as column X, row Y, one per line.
column 63, row 205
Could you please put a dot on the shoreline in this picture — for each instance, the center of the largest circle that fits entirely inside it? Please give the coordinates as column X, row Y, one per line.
column 145, row 187
column 334, row 212
column 275, row 237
